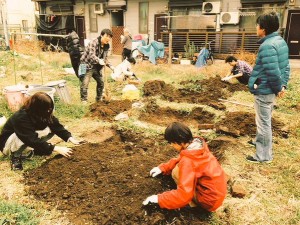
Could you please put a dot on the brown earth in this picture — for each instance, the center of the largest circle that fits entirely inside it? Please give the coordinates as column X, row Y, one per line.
column 243, row 124
column 107, row 179
column 200, row 91
column 105, row 183
column 164, row 116
column 108, row 110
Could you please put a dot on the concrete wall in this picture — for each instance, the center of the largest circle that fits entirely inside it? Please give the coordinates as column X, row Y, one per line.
column 131, row 16
column 18, row 10
column 103, row 21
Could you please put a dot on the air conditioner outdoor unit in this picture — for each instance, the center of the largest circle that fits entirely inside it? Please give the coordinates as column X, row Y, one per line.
column 99, row 9
column 211, row 7
column 229, row 17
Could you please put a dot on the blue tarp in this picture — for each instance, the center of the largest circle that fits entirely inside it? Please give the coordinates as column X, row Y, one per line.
column 153, row 50
column 202, row 58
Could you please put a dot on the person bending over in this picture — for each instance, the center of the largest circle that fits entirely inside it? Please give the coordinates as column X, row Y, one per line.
column 199, row 177
column 240, row 70
column 123, row 70
column 32, row 126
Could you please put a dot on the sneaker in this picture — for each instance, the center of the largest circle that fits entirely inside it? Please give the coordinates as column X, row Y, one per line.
column 251, row 159
column 16, row 163
column 252, row 143
column 28, row 155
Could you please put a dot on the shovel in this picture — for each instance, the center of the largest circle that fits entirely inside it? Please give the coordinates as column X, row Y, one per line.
column 106, row 95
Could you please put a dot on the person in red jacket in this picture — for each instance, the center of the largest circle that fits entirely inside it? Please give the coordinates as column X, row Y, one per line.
column 199, row 177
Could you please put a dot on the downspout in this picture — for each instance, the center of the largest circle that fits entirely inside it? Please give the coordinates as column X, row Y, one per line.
column 4, row 21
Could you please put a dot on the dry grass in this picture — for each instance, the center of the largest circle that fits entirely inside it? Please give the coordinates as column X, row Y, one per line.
column 273, row 194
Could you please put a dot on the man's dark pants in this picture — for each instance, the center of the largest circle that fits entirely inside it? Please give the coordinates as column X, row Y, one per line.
column 85, row 80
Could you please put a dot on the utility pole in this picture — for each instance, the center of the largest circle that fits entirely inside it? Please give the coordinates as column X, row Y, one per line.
column 4, row 22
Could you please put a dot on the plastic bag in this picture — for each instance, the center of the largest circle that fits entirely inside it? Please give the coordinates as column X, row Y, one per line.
column 82, row 69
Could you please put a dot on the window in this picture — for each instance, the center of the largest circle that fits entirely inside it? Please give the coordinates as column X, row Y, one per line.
column 93, row 19
column 25, row 25
column 143, row 17
column 250, row 12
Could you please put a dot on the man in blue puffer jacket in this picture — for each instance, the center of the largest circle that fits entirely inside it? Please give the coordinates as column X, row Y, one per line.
column 268, row 80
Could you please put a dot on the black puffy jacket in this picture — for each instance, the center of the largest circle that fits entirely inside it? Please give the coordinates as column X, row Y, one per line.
column 74, row 47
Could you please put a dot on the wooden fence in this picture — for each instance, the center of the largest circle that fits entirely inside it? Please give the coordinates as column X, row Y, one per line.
column 223, row 42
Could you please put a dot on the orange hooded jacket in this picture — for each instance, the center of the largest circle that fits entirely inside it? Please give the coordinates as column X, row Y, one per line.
column 200, row 172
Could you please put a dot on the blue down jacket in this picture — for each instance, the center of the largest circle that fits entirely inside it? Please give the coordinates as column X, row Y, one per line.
column 272, row 68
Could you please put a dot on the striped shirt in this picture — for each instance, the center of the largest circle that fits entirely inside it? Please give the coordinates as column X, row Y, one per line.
column 242, row 67
column 93, row 53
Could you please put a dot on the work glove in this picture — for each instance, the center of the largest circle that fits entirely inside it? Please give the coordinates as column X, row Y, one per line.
column 151, row 199
column 155, row 171
column 226, row 78
column 101, row 62
column 75, row 141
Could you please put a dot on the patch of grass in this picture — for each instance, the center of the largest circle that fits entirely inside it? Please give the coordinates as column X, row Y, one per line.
column 72, row 80
column 14, row 213
column 67, row 65
column 70, row 111
column 4, row 110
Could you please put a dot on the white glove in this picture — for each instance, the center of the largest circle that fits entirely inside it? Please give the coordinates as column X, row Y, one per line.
column 66, row 152
column 155, row 171
column 74, row 141
column 151, row 199
column 101, row 62
column 122, row 36
column 226, row 78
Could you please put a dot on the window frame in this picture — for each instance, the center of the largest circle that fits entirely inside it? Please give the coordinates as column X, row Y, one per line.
column 142, row 22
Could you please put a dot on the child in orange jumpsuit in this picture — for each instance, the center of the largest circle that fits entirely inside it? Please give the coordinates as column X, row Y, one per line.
column 199, row 177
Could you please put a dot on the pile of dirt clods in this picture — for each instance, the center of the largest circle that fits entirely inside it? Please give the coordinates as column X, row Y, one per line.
column 105, row 183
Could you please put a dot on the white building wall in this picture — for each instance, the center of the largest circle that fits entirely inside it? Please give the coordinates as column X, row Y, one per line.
column 230, row 5
column 103, row 21
column 131, row 16
column 18, row 10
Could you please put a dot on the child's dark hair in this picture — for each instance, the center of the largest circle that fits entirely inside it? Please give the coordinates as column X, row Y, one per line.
column 40, row 106
column 178, row 133
column 269, row 22
column 107, row 31
column 131, row 60
column 230, row 58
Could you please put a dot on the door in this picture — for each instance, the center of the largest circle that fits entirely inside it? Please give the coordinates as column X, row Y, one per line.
column 117, row 22
column 160, row 25
column 80, row 29
column 292, row 36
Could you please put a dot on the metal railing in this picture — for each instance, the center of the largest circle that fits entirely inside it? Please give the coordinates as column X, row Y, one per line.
column 225, row 42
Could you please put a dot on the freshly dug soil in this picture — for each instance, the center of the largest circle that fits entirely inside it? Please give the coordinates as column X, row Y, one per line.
column 108, row 110
column 105, row 183
column 200, row 91
column 164, row 116
column 243, row 123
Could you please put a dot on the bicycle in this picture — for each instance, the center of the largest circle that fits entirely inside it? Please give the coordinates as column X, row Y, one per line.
column 54, row 48
column 210, row 52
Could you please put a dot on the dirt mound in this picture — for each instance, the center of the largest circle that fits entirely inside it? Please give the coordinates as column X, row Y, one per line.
column 200, row 91
column 106, row 183
column 108, row 110
column 243, row 123
column 164, row 116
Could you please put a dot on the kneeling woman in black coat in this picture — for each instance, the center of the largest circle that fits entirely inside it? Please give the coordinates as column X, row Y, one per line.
column 32, row 126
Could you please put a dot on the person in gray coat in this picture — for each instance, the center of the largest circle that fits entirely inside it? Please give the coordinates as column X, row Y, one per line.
column 268, row 79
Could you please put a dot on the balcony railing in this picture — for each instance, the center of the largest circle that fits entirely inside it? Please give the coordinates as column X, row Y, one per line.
column 224, row 42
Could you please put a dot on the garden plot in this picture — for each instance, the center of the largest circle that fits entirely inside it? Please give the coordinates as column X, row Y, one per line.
column 105, row 183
